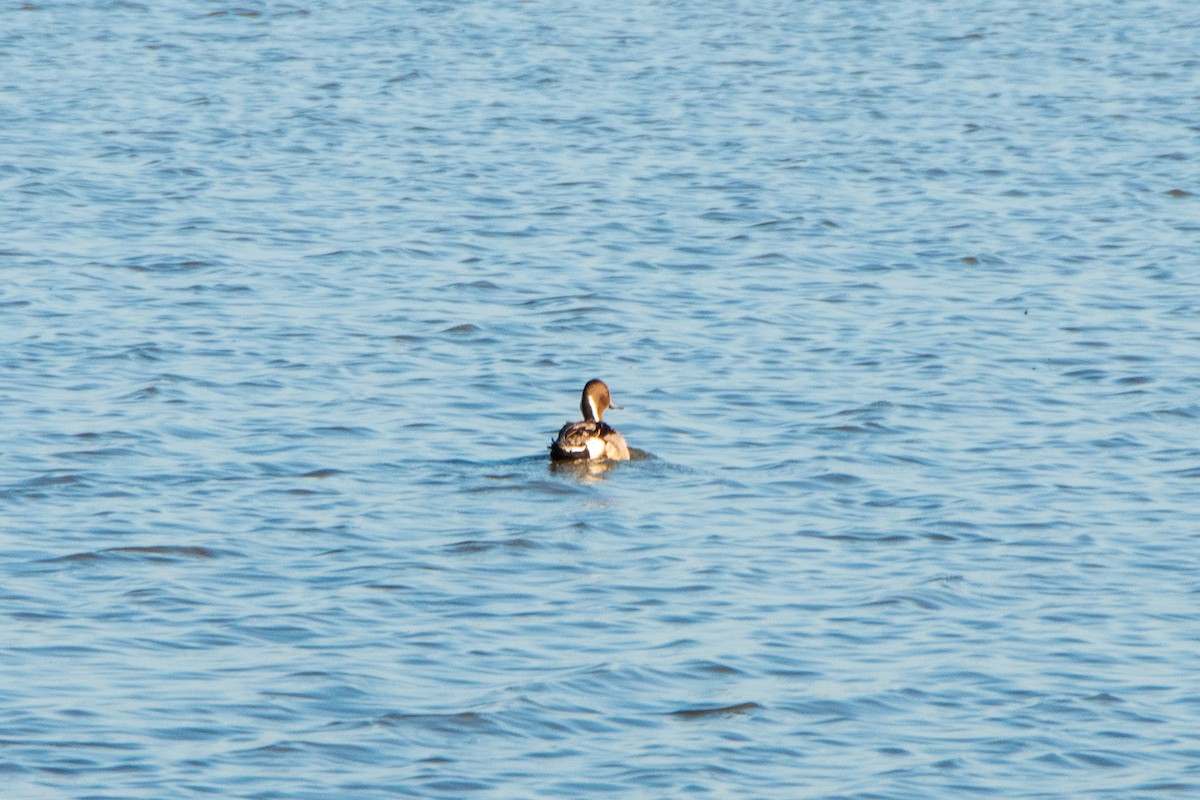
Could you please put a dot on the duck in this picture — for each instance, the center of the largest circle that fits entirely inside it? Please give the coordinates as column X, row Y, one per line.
column 592, row 439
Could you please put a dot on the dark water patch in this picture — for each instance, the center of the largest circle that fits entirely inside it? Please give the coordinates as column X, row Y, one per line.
column 76, row 744
column 465, row 722
column 1104, row 697
column 479, row 285
column 279, row 634
column 1182, row 789
column 711, row 668
column 67, row 479
column 108, row 452
column 700, row 713
column 157, row 553
column 1190, row 472
column 880, row 537
column 191, row 733
column 219, row 288
column 457, row 787
column 64, row 651
column 837, row 479
column 344, row 430
column 145, row 393
column 298, row 492
column 924, row 502
column 870, row 428
column 157, row 264
column 465, row 328
column 477, row 546
column 327, row 472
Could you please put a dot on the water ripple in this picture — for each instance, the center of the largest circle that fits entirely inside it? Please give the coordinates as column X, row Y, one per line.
column 899, row 306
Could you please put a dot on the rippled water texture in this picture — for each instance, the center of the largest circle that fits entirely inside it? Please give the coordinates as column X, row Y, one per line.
column 900, row 299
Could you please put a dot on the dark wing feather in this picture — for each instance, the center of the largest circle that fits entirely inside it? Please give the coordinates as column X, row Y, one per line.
column 571, row 443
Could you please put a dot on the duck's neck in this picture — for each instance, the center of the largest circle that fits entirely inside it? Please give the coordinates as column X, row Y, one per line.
column 591, row 412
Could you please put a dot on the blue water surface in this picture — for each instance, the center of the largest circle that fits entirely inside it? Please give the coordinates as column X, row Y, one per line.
column 901, row 300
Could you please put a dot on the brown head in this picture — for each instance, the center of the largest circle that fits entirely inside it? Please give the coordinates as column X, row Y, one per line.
column 595, row 400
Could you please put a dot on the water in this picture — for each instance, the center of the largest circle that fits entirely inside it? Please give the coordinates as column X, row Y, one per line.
column 900, row 299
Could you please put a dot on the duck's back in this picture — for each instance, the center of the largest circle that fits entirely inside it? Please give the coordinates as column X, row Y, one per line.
column 588, row 440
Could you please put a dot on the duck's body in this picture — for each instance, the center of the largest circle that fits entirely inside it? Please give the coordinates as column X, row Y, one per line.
column 592, row 439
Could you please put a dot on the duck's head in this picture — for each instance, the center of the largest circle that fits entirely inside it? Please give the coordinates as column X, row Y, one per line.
column 596, row 400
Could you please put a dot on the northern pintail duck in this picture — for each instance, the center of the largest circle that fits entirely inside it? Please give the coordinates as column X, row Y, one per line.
column 592, row 439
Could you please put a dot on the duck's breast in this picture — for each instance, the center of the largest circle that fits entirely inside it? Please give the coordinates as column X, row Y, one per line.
column 615, row 447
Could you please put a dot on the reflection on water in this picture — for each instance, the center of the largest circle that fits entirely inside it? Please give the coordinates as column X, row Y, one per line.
column 900, row 304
